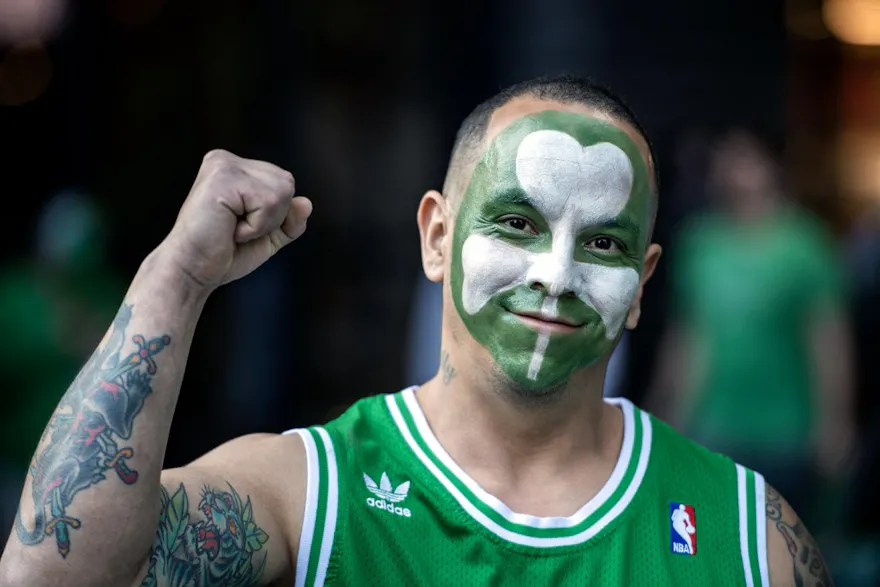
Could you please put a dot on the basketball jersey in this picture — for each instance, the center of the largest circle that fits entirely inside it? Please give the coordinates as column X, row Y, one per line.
column 386, row 505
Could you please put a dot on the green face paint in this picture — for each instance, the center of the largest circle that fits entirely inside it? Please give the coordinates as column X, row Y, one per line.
column 553, row 224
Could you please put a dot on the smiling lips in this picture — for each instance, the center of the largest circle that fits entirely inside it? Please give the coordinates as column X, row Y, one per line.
column 543, row 321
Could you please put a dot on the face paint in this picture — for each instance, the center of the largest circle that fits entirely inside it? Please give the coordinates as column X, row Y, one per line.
column 551, row 193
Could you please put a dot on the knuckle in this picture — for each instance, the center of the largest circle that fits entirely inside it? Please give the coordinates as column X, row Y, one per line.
column 220, row 163
column 282, row 187
column 285, row 187
column 278, row 179
column 216, row 155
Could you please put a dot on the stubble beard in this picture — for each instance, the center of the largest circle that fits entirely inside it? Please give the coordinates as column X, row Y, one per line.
column 524, row 395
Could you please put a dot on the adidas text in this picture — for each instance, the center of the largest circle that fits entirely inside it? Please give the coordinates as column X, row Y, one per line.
column 388, row 507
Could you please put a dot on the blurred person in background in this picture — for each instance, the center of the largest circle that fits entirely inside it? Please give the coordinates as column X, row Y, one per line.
column 758, row 361
column 54, row 308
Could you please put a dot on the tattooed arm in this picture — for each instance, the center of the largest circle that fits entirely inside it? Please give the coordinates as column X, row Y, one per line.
column 794, row 559
column 93, row 497
column 231, row 517
column 93, row 484
column 91, row 503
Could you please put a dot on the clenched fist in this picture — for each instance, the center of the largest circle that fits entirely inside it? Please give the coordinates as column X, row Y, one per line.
column 239, row 213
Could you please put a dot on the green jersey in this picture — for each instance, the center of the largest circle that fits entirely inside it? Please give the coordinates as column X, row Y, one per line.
column 387, row 505
column 748, row 295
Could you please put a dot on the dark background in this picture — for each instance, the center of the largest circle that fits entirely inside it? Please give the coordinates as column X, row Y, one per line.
column 361, row 100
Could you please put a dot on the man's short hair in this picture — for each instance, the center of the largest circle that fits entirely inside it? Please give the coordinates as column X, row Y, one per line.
column 565, row 89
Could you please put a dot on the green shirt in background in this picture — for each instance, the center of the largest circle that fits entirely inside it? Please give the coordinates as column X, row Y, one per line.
column 747, row 293
column 48, row 328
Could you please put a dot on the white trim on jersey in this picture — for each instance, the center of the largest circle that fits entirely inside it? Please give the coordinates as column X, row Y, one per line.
column 743, row 523
column 331, row 511
column 491, row 525
column 748, row 534
column 623, row 462
column 307, row 549
column 761, row 517
column 311, row 506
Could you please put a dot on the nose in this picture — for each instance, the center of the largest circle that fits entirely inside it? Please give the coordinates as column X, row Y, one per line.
column 552, row 274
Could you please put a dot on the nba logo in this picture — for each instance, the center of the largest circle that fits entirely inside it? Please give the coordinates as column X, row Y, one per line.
column 683, row 528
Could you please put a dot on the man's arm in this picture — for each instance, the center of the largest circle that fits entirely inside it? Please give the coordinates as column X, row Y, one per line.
column 232, row 517
column 91, row 504
column 833, row 360
column 93, row 483
column 793, row 558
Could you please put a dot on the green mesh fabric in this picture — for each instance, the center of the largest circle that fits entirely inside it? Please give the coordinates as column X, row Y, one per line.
column 404, row 514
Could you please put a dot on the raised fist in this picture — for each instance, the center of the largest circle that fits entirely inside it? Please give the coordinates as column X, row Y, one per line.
column 239, row 213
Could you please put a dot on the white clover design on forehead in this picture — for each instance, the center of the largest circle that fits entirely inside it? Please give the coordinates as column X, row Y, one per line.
column 572, row 187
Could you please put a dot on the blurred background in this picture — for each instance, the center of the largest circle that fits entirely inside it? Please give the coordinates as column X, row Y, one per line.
column 759, row 329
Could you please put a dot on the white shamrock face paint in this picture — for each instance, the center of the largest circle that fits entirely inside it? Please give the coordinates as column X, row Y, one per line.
column 566, row 196
column 573, row 188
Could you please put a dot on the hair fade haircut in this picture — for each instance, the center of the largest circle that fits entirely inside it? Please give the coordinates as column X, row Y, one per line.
column 565, row 89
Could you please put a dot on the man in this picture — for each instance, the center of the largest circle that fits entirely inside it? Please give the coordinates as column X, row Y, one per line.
column 506, row 468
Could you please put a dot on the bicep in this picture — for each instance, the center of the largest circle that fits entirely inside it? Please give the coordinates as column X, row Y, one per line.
column 793, row 557
column 221, row 519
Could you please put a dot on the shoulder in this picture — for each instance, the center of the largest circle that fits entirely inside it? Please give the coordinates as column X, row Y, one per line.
column 254, row 451
column 369, row 418
column 274, row 464
column 787, row 554
column 807, row 231
column 671, row 444
column 793, row 558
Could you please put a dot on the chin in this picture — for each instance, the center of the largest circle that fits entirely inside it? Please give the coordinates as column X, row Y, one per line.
column 542, row 390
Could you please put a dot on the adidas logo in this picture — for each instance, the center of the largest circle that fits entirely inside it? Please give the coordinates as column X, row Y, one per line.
column 388, row 495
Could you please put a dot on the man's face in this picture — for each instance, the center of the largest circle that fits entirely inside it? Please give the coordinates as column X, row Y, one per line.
column 554, row 224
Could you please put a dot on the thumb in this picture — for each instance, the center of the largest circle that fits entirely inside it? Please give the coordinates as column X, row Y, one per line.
column 266, row 243
column 257, row 223
column 251, row 254
column 297, row 215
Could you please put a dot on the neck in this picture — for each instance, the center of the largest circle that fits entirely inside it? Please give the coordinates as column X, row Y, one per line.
column 485, row 425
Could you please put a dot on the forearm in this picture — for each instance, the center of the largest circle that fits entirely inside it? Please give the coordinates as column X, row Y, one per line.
column 91, row 499
column 834, row 371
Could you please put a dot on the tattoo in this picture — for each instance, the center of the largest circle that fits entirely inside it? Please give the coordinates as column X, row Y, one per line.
column 446, row 367
column 807, row 564
column 218, row 549
column 79, row 445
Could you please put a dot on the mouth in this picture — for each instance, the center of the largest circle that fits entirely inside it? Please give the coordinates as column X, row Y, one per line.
column 543, row 322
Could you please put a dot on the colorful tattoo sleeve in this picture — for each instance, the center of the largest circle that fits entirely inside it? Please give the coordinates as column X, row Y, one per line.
column 808, row 566
column 84, row 441
column 219, row 549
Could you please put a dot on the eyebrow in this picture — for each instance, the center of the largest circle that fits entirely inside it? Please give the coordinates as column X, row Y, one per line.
column 515, row 196
column 623, row 222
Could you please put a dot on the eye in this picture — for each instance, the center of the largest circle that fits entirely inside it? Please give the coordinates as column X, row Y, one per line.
column 519, row 223
column 605, row 244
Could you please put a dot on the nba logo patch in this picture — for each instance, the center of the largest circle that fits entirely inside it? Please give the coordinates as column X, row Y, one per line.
column 683, row 529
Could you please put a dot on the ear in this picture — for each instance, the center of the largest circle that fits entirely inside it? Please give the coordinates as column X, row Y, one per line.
column 434, row 226
column 635, row 309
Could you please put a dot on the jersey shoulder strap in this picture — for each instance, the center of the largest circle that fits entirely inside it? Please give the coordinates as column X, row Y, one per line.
column 329, row 450
column 321, row 506
column 722, row 485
